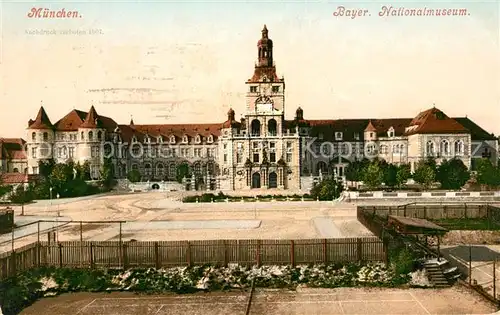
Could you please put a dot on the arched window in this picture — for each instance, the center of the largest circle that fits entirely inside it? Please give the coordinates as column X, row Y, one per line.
column 429, row 148
column 172, row 139
column 99, row 135
column 147, row 169
column 197, row 169
column 445, row 147
column 172, row 171
column 91, row 135
column 255, row 126
column 16, row 170
column 459, row 147
column 45, row 136
column 198, row 139
column 272, row 128
column 33, row 136
column 384, row 149
column 160, row 170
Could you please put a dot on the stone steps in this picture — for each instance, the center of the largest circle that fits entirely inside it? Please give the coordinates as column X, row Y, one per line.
column 440, row 274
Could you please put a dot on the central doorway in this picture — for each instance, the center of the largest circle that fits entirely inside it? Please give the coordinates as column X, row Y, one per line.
column 256, row 180
column 273, row 180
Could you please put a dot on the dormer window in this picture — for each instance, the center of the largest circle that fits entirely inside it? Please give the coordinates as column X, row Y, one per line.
column 198, row 139
column 356, row 136
column 390, row 132
column 172, row 139
column 147, row 139
column 338, row 136
column 320, row 136
column 134, row 139
column 210, row 139
column 185, row 139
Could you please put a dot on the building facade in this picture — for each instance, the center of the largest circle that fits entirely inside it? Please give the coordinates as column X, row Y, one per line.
column 262, row 150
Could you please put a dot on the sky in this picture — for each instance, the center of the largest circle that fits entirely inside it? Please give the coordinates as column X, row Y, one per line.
column 179, row 62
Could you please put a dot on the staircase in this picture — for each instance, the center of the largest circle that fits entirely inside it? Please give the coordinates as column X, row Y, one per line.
column 440, row 273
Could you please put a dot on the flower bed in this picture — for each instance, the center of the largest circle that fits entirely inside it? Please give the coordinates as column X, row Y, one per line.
column 19, row 292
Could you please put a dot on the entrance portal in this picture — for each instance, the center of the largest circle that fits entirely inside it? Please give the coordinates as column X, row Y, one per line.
column 256, row 180
column 273, row 180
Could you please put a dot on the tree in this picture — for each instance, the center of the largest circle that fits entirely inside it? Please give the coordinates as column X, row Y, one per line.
column 354, row 171
column 4, row 189
column 403, row 174
column 134, row 176
column 424, row 174
column 327, row 189
column 452, row 174
column 45, row 167
column 182, row 171
column 487, row 173
column 373, row 175
column 107, row 174
column 391, row 175
column 60, row 177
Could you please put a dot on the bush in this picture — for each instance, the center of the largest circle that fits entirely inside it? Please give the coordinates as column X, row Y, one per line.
column 22, row 290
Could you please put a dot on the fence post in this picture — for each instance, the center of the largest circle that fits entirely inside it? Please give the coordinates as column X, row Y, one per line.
column 325, row 251
column 60, row 255
column 386, row 250
column 425, row 212
column 359, row 250
column 38, row 254
column 38, row 232
column 292, row 253
column 226, row 254
column 13, row 262
column 445, row 212
column 91, row 255
column 470, row 264
column 157, row 255
column 188, row 254
column 125, row 258
column 495, row 279
column 257, row 258
column 465, row 210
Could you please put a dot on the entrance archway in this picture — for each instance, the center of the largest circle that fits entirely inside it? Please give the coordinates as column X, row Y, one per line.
column 256, row 180
column 273, row 180
column 155, row 186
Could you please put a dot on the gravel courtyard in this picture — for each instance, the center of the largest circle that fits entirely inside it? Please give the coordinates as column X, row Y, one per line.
column 192, row 221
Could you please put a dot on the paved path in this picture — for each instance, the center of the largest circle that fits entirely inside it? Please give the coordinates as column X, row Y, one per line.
column 191, row 225
column 327, row 228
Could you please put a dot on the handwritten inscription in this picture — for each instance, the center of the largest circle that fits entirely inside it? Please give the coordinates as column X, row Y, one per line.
column 390, row 11
column 45, row 13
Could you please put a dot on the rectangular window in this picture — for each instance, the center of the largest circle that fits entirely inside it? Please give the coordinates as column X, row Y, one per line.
column 256, row 157
column 35, row 170
column 276, row 89
column 71, row 152
column 95, row 152
column 338, row 136
column 44, row 152
column 33, row 153
column 272, row 145
column 289, row 157
column 255, row 145
column 225, row 157
column 356, row 136
column 238, row 157
column 272, row 157
column 253, row 89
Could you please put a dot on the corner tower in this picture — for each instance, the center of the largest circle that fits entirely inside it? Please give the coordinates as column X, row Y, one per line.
column 265, row 90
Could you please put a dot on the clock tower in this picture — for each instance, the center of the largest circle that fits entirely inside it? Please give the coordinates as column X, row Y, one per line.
column 265, row 90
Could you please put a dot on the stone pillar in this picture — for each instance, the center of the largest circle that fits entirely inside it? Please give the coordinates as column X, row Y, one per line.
column 193, row 182
column 280, row 178
column 209, row 179
column 263, row 178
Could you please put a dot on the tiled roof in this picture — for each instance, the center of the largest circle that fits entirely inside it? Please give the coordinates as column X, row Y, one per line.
column 92, row 120
column 76, row 118
column 477, row 133
column 12, row 148
column 269, row 72
column 14, row 178
column 41, row 121
column 177, row 130
column 434, row 121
